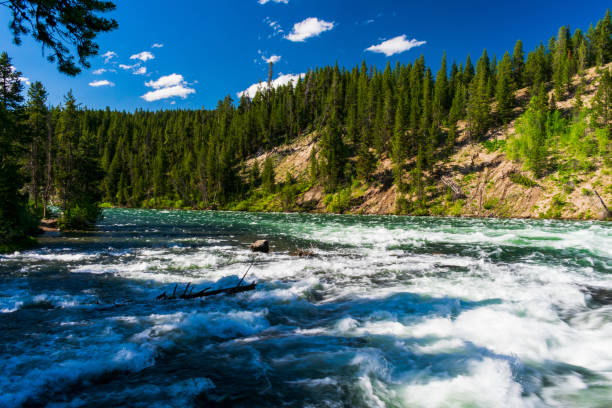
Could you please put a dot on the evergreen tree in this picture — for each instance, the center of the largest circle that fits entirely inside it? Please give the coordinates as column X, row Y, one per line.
column 16, row 221
column 503, row 94
column 518, row 65
column 38, row 117
column 267, row 175
column 441, row 102
column 478, row 109
column 398, row 146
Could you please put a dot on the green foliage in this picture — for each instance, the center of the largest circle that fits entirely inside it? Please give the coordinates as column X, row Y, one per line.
column 529, row 144
column 494, row 145
column 456, row 208
column 267, row 175
column 491, row 203
column 63, row 27
column 339, row 202
column 80, row 217
column 521, row 179
column 402, row 205
column 556, row 207
column 17, row 220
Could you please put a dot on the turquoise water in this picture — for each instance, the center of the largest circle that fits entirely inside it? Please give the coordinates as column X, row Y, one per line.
column 389, row 312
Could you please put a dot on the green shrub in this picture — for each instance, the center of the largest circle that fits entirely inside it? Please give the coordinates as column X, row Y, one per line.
column 339, row 202
column 491, row 203
column 456, row 208
column 81, row 217
column 494, row 145
column 521, row 179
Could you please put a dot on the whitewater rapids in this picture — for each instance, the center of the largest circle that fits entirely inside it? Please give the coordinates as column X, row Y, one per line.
column 390, row 312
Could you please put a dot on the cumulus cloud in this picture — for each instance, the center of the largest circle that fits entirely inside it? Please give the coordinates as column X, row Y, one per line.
column 157, row 45
column 273, row 59
column 252, row 90
column 140, row 71
column 395, row 45
column 168, row 86
column 311, row 27
column 102, row 82
column 273, row 1
column 143, row 56
column 166, row 81
column 109, row 55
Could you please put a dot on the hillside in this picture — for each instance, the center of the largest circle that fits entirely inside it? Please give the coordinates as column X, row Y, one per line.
column 491, row 184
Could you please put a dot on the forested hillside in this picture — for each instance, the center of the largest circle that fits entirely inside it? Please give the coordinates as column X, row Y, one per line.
column 390, row 129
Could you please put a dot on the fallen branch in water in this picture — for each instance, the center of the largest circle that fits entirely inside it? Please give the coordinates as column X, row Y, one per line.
column 206, row 292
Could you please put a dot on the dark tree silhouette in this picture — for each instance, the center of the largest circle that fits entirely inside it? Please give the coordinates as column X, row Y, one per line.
column 66, row 27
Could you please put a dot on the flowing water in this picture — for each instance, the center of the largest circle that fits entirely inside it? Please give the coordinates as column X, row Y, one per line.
column 389, row 312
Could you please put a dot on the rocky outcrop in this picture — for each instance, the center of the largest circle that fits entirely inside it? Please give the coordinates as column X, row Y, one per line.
column 261, row 245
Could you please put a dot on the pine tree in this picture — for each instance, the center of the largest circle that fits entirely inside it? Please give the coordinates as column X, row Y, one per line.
column 398, row 146
column 503, row 94
column 267, row 175
column 441, row 94
column 560, row 63
column 518, row 65
column 478, row 109
column 38, row 117
column 16, row 221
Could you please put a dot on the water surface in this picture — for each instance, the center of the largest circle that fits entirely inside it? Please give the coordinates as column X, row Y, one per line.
column 390, row 312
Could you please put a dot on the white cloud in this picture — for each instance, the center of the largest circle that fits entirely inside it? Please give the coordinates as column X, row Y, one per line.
column 165, row 81
column 109, row 55
column 126, row 67
column 136, row 68
column 143, row 56
column 311, row 27
column 102, row 82
column 273, row 1
column 101, row 71
column 274, row 25
column 395, row 45
column 273, row 59
column 157, row 45
column 252, row 90
column 168, row 86
column 169, row 92
column 25, row 80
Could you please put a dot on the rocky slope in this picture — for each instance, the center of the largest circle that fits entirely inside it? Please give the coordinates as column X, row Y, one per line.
column 491, row 184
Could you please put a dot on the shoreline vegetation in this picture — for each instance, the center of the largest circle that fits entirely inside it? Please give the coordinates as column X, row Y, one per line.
column 516, row 136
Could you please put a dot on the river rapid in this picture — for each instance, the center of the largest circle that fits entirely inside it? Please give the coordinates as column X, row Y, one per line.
column 389, row 312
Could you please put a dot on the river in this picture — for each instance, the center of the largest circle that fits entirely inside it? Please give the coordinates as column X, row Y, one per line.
column 389, row 312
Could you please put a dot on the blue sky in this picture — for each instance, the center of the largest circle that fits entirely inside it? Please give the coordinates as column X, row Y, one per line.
column 190, row 54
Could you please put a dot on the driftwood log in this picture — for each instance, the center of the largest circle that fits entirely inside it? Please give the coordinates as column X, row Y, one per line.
column 206, row 292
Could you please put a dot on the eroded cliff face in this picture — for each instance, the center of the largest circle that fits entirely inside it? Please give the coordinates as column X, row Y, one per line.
column 491, row 184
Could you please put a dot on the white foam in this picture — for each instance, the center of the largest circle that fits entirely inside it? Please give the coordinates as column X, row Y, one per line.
column 488, row 383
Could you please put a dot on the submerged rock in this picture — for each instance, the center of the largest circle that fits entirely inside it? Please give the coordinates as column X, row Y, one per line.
column 261, row 245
